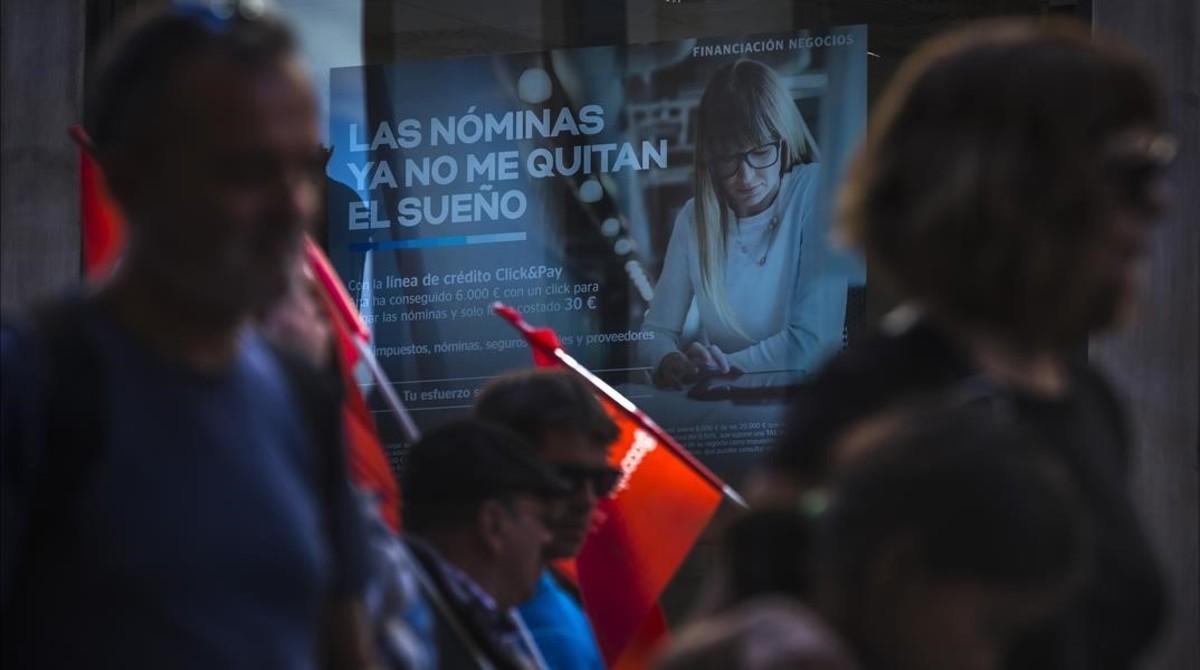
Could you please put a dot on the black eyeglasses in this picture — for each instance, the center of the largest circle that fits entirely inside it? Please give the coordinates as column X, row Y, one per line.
column 602, row 479
column 759, row 157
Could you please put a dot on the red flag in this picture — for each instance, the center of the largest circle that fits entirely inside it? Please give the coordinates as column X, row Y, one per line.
column 369, row 467
column 641, row 651
column 101, row 226
column 645, row 528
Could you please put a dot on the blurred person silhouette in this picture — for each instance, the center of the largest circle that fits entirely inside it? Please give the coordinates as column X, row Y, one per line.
column 174, row 488
column 763, row 633
column 943, row 535
column 298, row 322
column 766, row 552
column 398, row 615
column 475, row 519
column 570, row 431
column 741, row 246
column 1012, row 176
column 755, row 609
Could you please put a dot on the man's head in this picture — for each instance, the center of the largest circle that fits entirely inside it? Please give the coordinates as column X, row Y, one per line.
column 472, row 491
column 945, row 538
column 207, row 130
column 569, row 429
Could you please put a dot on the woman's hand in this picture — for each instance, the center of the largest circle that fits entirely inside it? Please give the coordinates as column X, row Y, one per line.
column 685, row 367
column 675, row 370
column 708, row 358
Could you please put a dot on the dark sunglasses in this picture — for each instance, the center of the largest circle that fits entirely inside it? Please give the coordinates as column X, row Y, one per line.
column 1132, row 167
column 602, row 479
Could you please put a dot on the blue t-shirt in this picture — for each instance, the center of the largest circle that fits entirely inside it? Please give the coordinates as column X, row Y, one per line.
column 560, row 629
column 196, row 539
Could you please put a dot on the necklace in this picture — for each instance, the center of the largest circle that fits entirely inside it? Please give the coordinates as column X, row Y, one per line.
column 772, row 230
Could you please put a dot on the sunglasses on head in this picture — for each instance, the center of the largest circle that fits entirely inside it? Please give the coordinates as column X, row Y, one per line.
column 218, row 17
column 602, row 479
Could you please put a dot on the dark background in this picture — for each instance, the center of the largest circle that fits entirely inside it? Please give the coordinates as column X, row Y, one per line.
column 47, row 45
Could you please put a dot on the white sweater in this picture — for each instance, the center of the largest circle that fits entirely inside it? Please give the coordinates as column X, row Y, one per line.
column 789, row 311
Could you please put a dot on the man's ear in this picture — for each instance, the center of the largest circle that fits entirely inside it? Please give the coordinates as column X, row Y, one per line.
column 491, row 520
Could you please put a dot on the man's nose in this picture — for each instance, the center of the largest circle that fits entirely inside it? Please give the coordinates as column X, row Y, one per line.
column 297, row 197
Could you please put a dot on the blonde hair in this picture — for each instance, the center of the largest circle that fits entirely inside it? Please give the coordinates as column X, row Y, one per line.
column 744, row 105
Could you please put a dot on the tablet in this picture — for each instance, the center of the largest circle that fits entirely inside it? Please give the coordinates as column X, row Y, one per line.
column 749, row 387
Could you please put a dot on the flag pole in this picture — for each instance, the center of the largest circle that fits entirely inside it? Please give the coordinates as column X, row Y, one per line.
column 407, row 425
column 342, row 308
column 552, row 347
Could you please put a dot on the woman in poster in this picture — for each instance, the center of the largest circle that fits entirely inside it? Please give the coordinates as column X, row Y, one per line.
column 741, row 246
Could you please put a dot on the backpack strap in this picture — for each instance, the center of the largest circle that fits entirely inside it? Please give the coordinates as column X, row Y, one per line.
column 318, row 395
column 69, row 394
column 54, row 440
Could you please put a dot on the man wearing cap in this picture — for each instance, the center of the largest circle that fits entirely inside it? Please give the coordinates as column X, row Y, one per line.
column 475, row 504
column 571, row 433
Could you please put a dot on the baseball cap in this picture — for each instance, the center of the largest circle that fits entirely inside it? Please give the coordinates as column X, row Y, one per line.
column 467, row 460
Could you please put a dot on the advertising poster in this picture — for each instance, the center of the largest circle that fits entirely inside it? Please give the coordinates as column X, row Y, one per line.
column 652, row 203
